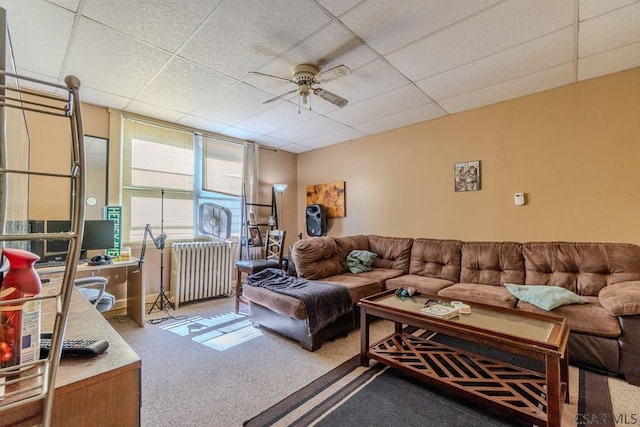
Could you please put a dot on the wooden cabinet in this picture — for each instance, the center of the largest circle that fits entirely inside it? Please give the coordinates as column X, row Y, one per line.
column 100, row 391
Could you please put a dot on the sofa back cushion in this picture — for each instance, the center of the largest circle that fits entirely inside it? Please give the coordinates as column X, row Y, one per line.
column 347, row 244
column 317, row 258
column 436, row 258
column 392, row 252
column 583, row 268
column 492, row 263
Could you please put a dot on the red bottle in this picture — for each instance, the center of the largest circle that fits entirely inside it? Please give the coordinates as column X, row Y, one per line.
column 19, row 324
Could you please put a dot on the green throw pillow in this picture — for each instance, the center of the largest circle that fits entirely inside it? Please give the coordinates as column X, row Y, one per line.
column 545, row 297
column 360, row 261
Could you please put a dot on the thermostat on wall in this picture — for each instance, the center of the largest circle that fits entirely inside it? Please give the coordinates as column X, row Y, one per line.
column 519, row 199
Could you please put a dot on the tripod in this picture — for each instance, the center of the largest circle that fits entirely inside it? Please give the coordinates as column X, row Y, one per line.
column 161, row 300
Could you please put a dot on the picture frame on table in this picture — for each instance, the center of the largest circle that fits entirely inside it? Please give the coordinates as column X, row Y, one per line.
column 255, row 235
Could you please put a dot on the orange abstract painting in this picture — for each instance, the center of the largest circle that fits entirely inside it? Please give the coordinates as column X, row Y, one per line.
column 330, row 195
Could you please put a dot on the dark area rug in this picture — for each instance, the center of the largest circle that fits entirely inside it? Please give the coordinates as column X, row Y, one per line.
column 351, row 395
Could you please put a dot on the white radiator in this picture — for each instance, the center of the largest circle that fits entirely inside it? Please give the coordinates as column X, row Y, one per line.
column 201, row 270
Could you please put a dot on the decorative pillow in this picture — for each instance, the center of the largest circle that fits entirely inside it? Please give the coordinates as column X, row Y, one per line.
column 544, row 297
column 360, row 261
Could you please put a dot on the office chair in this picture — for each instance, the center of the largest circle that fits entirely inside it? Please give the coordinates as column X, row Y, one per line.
column 93, row 288
column 274, row 248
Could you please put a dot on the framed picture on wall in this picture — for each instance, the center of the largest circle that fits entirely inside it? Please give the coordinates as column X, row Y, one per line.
column 466, row 176
column 255, row 235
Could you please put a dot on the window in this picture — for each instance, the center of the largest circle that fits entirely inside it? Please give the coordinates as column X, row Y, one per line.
column 222, row 175
column 157, row 181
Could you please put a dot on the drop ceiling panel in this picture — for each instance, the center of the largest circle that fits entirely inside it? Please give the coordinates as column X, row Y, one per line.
column 166, row 24
column 200, row 123
column 610, row 61
column 150, row 110
column 531, row 83
column 403, row 118
column 509, row 24
column 104, row 58
column 589, row 8
column 389, row 25
column 102, row 99
column 279, row 116
column 168, row 90
column 404, row 98
column 308, row 130
column 330, row 138
column 242, row 36
column 611, row 31
column 67, row 4
column 338, row 7
column 536, row 55
column 39, row 33
column 234, row 105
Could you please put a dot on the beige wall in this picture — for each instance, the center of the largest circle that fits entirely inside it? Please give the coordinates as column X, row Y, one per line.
column 574, row 151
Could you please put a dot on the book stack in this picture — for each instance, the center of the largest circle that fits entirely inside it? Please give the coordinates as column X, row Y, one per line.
column 441, row 310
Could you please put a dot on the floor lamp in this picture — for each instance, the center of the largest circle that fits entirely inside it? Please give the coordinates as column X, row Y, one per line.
column 279, row 189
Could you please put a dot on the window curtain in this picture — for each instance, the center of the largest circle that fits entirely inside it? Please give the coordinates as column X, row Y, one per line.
column 250, row 172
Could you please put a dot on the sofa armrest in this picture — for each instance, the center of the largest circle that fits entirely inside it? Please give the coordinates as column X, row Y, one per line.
column 621, row 299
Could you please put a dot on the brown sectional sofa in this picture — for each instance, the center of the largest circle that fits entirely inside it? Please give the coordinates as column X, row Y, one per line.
column 605, row 332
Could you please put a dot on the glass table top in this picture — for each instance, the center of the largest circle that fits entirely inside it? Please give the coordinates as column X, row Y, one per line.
column 512, row 324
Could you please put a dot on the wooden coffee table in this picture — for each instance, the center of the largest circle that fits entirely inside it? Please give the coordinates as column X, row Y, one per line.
column 533, row 396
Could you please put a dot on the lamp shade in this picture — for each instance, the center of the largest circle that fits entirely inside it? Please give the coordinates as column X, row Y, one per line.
column 279, row 188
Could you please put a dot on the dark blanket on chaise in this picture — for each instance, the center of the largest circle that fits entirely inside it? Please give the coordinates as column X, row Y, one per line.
column 323, row 302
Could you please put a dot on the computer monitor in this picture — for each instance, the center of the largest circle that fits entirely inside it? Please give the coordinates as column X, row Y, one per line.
column 98, row 235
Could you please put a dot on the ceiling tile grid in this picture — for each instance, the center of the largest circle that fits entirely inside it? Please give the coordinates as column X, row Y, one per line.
column 410, row 60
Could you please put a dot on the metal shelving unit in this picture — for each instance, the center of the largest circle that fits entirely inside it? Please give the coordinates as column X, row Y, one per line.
column 245, row 223
column 35, row 382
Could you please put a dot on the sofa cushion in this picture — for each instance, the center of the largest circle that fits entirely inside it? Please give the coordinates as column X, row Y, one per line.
column 483, row 294
column 545, row 297
column 392, row 252
column 583, row 268
column 621, row 299
column 423, row 284
column 359, row 285
column 345, row 245
column 317, row 257
column 492, row 263
column 590, row 318
column 274, row 301
column 436, row 258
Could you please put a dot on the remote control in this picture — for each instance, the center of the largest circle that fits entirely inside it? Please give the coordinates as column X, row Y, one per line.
column 73, row 348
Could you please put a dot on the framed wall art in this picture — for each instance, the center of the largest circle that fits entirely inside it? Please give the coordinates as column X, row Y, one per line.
column 330, row 195
column 466, row 176
column 255, row 235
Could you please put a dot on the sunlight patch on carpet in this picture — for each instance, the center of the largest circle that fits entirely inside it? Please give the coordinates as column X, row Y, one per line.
column 220, row 332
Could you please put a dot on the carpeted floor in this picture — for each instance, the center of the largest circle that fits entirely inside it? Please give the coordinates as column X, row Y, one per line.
column 193, row 374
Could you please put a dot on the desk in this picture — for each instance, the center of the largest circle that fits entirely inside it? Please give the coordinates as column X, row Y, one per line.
column 120, row 272
column 96, row 392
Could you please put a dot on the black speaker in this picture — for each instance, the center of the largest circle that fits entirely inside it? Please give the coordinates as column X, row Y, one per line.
column 316, row 220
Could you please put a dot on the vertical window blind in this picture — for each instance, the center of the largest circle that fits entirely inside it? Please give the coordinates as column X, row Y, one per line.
column 154, row 159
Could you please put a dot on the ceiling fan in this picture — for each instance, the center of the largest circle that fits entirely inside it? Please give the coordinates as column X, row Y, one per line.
column 307, row 77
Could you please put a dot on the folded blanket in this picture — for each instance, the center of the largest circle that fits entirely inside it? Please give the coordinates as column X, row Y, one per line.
column 360, row 261
column 323, row 302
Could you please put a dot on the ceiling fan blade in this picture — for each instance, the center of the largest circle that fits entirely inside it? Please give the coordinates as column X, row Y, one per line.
column 331, row 97
column 269, row 75
column 280, row 96
column 333, row 73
